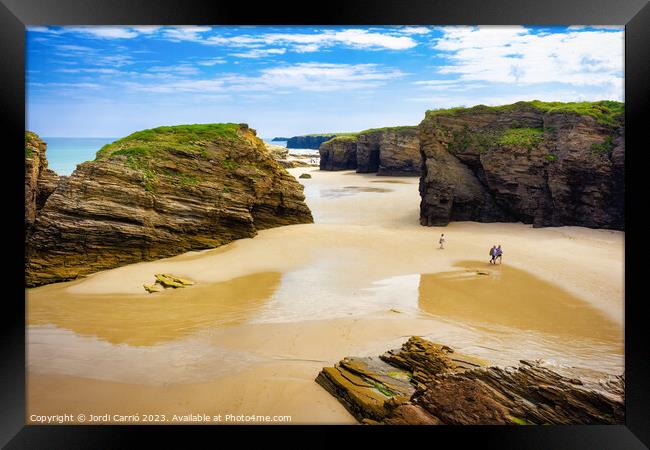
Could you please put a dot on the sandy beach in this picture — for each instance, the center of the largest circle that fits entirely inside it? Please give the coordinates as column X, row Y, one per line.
column 267, row 313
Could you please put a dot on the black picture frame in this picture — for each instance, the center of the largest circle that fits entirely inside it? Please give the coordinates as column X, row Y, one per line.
column 15, row 15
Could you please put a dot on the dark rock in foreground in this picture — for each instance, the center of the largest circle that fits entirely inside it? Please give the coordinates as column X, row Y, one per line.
column 549, row 164
column 424, row 383
column 159, row 193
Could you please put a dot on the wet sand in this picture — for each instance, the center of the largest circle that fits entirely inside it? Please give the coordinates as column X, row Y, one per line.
column 268, row 313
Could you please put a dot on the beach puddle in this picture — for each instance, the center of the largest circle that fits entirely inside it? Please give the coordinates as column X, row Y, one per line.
column 149, row 319
column 505, row 296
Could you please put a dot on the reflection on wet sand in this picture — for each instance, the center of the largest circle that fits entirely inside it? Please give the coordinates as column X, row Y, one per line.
column 349, row 190
column 390, row 181
column 150, row 319
column 500, row 294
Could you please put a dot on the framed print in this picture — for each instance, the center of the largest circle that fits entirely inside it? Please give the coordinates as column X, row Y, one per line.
column 375, row 219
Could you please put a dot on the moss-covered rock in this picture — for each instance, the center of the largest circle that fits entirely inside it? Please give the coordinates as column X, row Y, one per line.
column 545, row 163
column 424, row 383
column 160, row 192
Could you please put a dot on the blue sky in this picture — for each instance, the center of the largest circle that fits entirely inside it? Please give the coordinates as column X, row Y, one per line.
column 285, row 81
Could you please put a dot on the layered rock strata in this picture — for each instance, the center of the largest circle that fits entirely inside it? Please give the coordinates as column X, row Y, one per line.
column 40, row 181
column 159, row 193
column 389, row 151
column 385, row 151
column 548, row 164
column 312, row 141
column 423, row 383
column 339, row 153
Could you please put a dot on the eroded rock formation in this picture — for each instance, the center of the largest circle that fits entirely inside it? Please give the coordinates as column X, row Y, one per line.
column 339, row 153
column 423, row 383
column 385, row 151
column 549, row 164
column 389, row 151
column 312, row 141
column 40, row 181
column 158, row 193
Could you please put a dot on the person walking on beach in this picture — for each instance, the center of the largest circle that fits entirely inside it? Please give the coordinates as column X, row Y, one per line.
column 493, row 254
column 499, row 253
column 442, row 240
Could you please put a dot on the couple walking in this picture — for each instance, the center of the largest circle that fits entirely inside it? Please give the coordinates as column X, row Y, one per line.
column 495, row 253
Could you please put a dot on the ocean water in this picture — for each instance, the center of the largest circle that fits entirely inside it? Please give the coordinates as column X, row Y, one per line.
column 293, row 151
column 63, row 154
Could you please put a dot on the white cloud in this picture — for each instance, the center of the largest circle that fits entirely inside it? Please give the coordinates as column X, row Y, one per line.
column 515, row 55
column 185, row 33
column 99, row 32
column 146, row 29
column 310, row 42
column 179, row 69
column 259, row 53
column 91, row 70
column 318, row 77
column 198, row 86
column 104, row 32
column 314, row 77
column 212, row 62
column 416, row 30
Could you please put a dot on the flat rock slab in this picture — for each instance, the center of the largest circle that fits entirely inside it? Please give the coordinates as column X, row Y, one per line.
column 424, row 383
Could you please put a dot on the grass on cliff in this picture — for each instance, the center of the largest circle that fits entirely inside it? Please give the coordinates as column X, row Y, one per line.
column 522, row 137
column 33, row 140
column 344, row 138
column 604, row 147
column 141, row 147
column 606, row 112
column 352, row 137
column 484, row 140
column 180, row 138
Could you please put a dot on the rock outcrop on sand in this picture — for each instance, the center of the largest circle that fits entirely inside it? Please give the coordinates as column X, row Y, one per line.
column 40, row 181
column 389, row 151
column 549, row 164
column 339, row 153
column 158, row 193
column 423, row 383
column 312, row 141
column 385, row 151
column 277, row 151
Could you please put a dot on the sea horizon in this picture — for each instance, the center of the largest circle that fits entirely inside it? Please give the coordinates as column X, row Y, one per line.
column 65, row 153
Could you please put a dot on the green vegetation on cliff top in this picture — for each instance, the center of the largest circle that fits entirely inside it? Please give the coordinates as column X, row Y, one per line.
column 141, row 147
column 353, row 136
column 523, row 137
column 606, row 112
column 32, row 139
column 182, row 138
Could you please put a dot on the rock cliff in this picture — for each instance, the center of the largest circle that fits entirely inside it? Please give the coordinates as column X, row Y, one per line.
column 389, row 151
column 339, row 153
column 157, row 193
column 309, row 141
column 423, row 383
column 385, row 151
column 549, row 164
column 40, row 181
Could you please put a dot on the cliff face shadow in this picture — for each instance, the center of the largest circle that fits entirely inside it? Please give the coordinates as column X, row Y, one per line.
column 149, row 319
column 502, row 295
